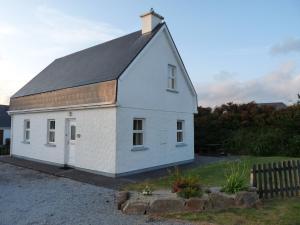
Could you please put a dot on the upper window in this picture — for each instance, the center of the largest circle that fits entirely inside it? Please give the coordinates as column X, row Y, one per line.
column 51, row 131
column 26, row 130
column 172, row 77
column 180, row 135
column 138, row 132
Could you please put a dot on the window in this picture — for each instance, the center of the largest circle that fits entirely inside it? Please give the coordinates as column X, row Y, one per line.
column 172, row 77
column 180, row 124
column 51, row 131
column 138, row 132
column 26, row 130
column 73, row 132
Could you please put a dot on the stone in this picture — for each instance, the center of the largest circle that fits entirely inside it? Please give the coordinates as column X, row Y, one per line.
column 197, row 204
column 246, row 199
column 121, row 197
column 252, row 189
column 135, row 208
column 214, row 189
column 221, row 200
column 167, row 205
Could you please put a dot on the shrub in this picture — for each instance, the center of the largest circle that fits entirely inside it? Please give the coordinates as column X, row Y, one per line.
column 147, row 190
column 294, row 146
column 189, row 192
column 235, row 178
column 185, row 186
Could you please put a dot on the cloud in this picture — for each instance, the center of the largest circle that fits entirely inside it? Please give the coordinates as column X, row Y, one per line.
column 27, row 48
column 282, row 84
column 289, row 45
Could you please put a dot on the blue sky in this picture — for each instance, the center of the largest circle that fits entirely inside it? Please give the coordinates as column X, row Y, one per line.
column 233, row 50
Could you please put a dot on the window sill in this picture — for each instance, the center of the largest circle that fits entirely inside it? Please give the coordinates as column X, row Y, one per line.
column 26, row 142
column 181, row 145
column 50, row 145
column 136, row 149
column 172, row 90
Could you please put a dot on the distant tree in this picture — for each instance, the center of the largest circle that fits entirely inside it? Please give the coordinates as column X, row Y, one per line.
column 298, row 101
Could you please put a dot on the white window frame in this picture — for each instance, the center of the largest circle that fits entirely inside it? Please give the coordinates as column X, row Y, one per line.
column 142, row 131
column 172, row 76
column 26, row 129
column 180, row 131
column 50, row 130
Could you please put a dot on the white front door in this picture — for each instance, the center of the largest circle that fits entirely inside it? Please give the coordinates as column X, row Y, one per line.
column 71, row 142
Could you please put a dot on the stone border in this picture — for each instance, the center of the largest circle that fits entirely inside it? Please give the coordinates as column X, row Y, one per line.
column 213, row 201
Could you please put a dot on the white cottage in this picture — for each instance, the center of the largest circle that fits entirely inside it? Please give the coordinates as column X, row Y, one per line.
column 120, row 107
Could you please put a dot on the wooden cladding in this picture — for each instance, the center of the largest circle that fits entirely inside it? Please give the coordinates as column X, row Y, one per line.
column 277, row 179
column 104, row 92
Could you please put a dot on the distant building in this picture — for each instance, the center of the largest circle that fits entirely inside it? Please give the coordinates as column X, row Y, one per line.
column 4, row 124
column 276, row 105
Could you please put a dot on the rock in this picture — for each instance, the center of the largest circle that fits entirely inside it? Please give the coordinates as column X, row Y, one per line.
column 221, row 200
column 214, row 189
column 197, row 204
column 246, row 199
column 167, row 205
column 121, row 197
column 135, row 208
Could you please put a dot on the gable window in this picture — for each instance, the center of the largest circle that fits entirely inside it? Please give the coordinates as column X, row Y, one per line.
column 180, row 135
column 138, row 132
column 26, row 130
column 51, row 131
column 172, row 77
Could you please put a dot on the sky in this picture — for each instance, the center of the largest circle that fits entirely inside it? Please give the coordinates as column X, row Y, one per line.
column 234, row 51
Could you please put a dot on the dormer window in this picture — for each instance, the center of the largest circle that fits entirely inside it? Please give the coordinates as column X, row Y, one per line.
column 172, row 77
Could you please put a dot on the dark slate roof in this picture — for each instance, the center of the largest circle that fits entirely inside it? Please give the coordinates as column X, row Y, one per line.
column 99, row 63
column 4, row 117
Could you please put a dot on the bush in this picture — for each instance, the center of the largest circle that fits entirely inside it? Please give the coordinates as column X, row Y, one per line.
column 294, row 146
column 235, row 178
column 185, row 186
column 4, row 150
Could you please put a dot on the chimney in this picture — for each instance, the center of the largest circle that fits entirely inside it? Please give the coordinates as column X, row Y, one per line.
column 150, row 20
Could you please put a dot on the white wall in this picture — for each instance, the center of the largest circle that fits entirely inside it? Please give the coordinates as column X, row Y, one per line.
column 142, row 93
column 95, row 149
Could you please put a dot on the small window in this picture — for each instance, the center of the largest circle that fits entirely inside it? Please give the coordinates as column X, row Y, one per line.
column 172, row 77
column 180, row 124
column 138, row 132
column 26, row 130
column 73, row 133
column 51, row 131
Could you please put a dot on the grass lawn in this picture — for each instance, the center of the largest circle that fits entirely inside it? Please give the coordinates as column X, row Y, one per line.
column 209, row 175
column 273, row 212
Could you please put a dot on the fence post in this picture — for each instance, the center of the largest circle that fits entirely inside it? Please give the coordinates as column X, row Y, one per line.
column 275, row 172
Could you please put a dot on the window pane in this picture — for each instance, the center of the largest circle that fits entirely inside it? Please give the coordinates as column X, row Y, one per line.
column 179, row 136
column 27, row 124
column 27, row 135
column 52, row 124
column 179, row 125
column 73, row 132
column 137, row 138
column 51, row 136
column 137, row 124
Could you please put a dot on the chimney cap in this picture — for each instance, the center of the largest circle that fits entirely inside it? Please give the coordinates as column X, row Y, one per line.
column 153, row 13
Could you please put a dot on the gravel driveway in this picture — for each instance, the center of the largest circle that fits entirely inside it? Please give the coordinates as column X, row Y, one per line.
column 28, row 197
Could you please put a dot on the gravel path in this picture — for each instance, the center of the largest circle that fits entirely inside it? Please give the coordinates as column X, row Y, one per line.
column 28, row 197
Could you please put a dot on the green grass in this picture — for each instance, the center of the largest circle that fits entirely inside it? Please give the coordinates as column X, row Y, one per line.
column 273, row 212
column 209, row 175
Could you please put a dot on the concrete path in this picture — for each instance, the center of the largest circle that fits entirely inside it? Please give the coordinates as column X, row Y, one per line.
column 29, row 197
column 102, row 181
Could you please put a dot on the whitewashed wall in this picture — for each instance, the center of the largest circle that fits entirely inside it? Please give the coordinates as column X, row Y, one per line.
column 95, row 149
column 142, row 93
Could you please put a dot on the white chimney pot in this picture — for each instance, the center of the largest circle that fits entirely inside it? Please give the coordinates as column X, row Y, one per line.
column 150, row 20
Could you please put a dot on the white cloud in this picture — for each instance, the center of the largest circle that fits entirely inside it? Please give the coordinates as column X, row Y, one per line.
column 282, row 84
column 27, row 48
column 289, row 45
